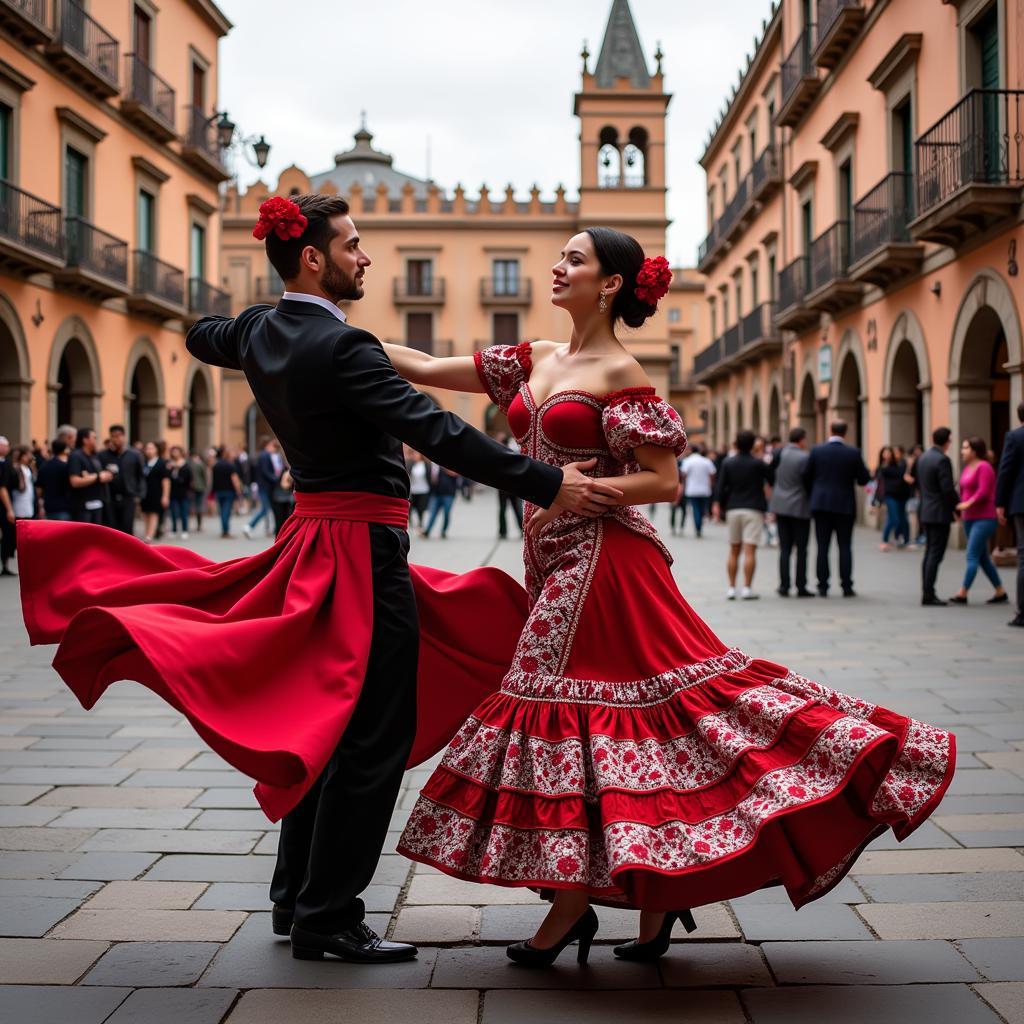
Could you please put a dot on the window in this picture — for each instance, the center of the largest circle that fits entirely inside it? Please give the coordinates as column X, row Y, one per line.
column 198, row 86
column 197, row 252
column 147, row 221
column 506, row 277
column 674, row 370
column 506, row 329
column 419, row 331
column 772, row 283
column 675, row 314
column 739, row 295
column 143, row 35
column 725, row 307
column 76, row 174
column 755, row 288
column 419, row 277
column 6, row 141
column 807, row 226
column 753, row 143
column 846, row 206
column 714, row 318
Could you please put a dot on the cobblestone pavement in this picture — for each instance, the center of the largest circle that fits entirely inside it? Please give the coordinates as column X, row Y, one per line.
column 134, row 862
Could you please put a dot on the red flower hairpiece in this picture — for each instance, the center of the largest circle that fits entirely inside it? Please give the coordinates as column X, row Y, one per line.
column 281, row 217
column 653, row 280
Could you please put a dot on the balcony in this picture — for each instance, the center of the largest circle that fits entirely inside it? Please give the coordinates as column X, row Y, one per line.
column 705, row 361
column 765, row 176
column 831, row 287
column 97, row 263
column 499, row 291
column 199, row 145
column 158, row 289
column 30, row 232
column 267, row 290
column 84, row 50
column 205, row 300
column 708, row 252
column 800, row 82
column 883, row 250
column 970, row 167
column 839, row 22
column 758, row 334
column 409, row 291
column 432, row 347
column 25, row 20
column 735, row 217
column 793, row 313
column 148, row 99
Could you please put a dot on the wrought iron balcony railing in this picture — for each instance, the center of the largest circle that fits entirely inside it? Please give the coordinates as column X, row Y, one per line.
column 94, row 46
column 505, row 289
column 156, row 278
column 145, row 87
column 26, row 19
column 979, row 141
column 793, row 283
column 202, row 133
column 30, row 222
column 91, row 249
column 411, row 289
column 205, row 300
column 797, row 64
column 882, row 216
column 703, row 361
column 830, row 255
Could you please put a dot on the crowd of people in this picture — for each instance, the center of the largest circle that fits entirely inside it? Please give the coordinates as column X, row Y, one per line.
column 771, row 493
column 127, row 485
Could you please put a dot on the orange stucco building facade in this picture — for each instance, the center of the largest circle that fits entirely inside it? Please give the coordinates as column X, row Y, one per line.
column 109, row 225
column 455, row 271
column 865, row 218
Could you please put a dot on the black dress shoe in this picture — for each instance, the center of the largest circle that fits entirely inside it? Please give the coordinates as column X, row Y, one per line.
column 849, row 592
column 782, row 592
column 934, row 602
column 805, row 593
column 1018, row 621
column 359, row 944
column 584, row 930
column 822, row 592
column 647, row 952
column 281, row 920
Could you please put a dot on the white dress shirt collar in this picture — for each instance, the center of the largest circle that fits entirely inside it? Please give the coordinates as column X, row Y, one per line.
column 317, row 300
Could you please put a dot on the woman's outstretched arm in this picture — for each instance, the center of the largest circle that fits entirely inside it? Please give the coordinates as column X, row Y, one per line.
column 454, row 373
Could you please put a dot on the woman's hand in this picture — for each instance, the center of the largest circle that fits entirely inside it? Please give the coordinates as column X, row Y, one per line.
column 540, row 519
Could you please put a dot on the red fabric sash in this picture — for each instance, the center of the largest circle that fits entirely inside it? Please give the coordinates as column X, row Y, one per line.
column 352, row 507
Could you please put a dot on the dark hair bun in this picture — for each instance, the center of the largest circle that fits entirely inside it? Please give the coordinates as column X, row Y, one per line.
column 622, row 254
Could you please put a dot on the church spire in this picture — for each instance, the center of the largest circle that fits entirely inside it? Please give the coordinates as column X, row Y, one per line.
column 622, row 56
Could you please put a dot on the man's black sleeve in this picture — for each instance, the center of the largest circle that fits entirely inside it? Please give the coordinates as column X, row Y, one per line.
column 371, row 388
column 214, row 339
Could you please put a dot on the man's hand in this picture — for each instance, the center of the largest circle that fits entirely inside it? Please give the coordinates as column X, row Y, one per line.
column 583, row 495
column 1001, row 516
column 105, row 476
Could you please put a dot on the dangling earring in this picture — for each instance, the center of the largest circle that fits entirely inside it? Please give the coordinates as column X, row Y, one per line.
column 603, row 304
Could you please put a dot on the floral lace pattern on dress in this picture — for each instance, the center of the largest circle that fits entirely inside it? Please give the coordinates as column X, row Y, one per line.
column 637, row 416
column 503, row 369
column 513, row 760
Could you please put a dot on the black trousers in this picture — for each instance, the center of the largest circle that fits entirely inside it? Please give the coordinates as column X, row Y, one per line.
column 840, row 524
column 330, row 844
column 282, row 510
column 88, row 515
column 504, row 500
column 936, row 537
column 8, row 542
column 122, row 514
column 1018, row 530
column 793, row 533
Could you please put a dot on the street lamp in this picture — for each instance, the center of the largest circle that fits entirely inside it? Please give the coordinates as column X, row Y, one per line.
column 230, row 138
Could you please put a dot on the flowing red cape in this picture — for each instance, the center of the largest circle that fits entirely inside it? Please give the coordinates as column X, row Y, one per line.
column 265, row 655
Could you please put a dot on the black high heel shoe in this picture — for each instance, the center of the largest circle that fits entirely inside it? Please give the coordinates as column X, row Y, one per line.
column 584, row 930
column 658, row 946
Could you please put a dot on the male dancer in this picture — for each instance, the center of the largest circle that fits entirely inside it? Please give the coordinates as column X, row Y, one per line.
column 341, row 413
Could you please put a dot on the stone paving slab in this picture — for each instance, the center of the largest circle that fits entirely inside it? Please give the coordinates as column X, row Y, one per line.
column 159, row 840
column 846, row 891
column 43, row 839
column 866, row 963
column 158, row 757
column 216, row 868
column 1007, row 998
column 174, row 1006
column 854, row 1004
column 48, row 888
column 983, row 886
column 815, row 921
column 368, row 1006
column 126, row 818
column 32, row 916
column 152, row 964
column 147, row 895
column 46, row 961
column 714, row 965
column 109, row 867
column 34, row 865
column 41, row 1004
column 921, row 862
column 12, row 796
column 228, row 797
column 254, row 959
column 997, row 959
column 611, row 1008
column 944, row 920
column 130, row 925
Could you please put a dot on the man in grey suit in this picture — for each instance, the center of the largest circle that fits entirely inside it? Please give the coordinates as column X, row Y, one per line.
column 934, row 474
column 1010, row 500
column 792, row 509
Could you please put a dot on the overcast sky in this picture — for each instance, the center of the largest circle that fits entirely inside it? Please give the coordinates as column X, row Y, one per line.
column 490, row 84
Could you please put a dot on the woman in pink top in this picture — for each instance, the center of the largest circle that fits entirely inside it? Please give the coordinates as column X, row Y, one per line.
column 978, row 512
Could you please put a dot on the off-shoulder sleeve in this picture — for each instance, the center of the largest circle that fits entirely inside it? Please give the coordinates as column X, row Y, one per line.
column 637, row 416
column 502, row 370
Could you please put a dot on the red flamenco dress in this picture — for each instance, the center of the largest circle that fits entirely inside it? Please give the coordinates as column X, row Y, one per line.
column 629, row 752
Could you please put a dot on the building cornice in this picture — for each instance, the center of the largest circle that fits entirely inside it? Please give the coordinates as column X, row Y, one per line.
column 803, row 174
column 212, row 15
column 903, row 53
column 68, row 116
column 201, row 203
column 845, row 124
column 14, row 78
column 140, row 163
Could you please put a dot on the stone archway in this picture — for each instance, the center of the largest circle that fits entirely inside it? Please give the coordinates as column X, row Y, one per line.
column 741, row 421
column 144, row 393
column 73, row 382
column 199, row 410
column 807, row 412
column 15, row 383
column 714, row 426
column 985, row 361
column 847, row 396
column 256, row 426
column 726, row 426
column 906, row 400
column 755, row 414
column 775, row 412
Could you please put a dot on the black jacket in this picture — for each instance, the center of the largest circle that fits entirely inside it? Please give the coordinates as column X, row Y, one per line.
column 130, row 480
column 830, row 475
column 340, row 411
column 934, row 474
column 741, row 482
column 1010, row 481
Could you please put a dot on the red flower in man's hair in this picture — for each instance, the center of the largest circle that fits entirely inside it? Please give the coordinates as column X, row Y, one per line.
column 281, row 217
column 653, row 280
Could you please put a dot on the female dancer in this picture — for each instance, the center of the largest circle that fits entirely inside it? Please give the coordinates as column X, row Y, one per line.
column 630, row 757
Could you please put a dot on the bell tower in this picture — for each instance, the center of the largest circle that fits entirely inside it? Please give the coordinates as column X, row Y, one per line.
column 622, row 108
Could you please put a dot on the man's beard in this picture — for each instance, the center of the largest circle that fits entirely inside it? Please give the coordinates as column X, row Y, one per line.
column 337, row 285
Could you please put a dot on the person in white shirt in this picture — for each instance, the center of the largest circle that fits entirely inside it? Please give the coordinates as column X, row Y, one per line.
column 698, row 484
column 419, row 485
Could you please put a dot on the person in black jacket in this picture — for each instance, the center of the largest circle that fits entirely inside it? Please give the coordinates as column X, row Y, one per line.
column 128, row 484
column 341, row 412
column 831, row 475
column 934, row 475
column 1010, row 500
